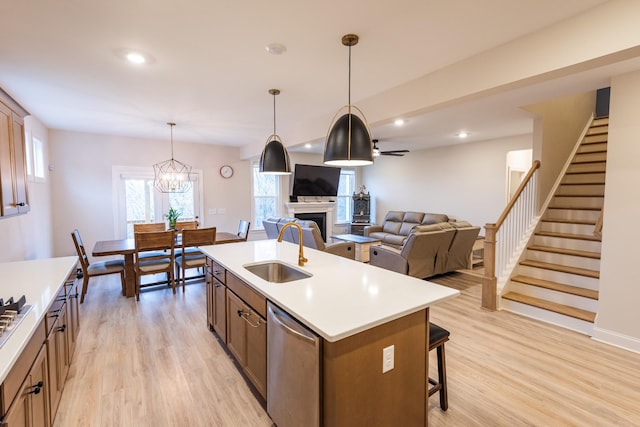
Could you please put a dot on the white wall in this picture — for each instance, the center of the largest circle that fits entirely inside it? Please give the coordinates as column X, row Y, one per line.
column 82, row 182
column 465, row 181
column 29, row 236
column 618, row 320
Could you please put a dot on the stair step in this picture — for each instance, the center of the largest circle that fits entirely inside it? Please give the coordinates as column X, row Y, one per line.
column 575, row 207
column 587, row 316
column 569, row 221
column 593, row 147
column 563, row 251
column 589, row 157
column 604, row 120
column 560, row 287
column 594, row 139
column 568, row 236
column 584, row 178
column 596, row 167
column 562, row 268
column 598, row 130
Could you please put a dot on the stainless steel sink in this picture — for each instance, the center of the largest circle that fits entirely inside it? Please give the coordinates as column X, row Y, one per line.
column 276, row 271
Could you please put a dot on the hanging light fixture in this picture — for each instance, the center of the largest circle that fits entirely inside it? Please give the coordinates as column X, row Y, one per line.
column 172, row 176
column 349, row 139
column 275, row 158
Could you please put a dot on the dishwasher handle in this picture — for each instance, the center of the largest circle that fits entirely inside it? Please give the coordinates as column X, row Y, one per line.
column 302, row 333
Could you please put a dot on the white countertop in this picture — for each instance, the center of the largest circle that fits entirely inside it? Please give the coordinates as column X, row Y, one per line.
column 40, row 281
column 342, row 298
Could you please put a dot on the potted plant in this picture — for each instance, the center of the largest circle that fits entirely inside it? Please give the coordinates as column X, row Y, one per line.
column 173, row 216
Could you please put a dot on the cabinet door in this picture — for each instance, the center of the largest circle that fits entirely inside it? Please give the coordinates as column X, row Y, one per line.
column 236, row 330
column 58, row 359
column 20, row 165
column 8, row 206
column 73, row 317
column 30, row 408
column 256, row 345
column 220, row 309
column 209, row 296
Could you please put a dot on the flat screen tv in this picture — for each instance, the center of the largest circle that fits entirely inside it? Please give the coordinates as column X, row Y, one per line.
column 309, row 180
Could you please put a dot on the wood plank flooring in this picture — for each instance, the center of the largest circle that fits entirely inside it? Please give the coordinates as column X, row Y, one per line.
column 155, row 363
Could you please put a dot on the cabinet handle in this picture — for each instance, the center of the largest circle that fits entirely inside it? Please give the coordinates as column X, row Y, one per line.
column 21, row 204
column 37, row 388
column 62, row 328
column 245, row 315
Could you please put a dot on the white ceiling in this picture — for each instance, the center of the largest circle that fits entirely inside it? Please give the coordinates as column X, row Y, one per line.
column 210, row 72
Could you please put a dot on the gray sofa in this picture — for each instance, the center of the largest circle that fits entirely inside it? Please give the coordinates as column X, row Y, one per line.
column 311, row 236
column 397, row 225
column 427, row 249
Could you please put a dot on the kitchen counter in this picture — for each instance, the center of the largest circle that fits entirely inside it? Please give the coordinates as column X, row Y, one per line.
column 343, row 297
column 40, row 281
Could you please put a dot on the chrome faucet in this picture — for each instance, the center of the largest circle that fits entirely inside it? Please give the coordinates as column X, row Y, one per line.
column 301, row 258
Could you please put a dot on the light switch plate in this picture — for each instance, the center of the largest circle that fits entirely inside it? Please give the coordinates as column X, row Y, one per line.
column 388, row 358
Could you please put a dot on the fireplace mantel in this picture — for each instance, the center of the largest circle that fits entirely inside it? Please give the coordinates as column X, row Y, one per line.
column 315, row 207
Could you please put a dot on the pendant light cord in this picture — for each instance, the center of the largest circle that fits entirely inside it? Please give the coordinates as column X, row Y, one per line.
column 349, row 103
column 274, row 114
column 171, row 125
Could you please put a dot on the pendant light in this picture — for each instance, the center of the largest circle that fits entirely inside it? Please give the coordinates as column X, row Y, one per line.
column 172, row 176
column 275, row 158
column 349, row 139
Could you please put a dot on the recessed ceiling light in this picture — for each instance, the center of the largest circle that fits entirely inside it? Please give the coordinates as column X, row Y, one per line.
column 276, row 48
column 399, row 122
column 307, row 146
column 136, row 58
column 463, row 134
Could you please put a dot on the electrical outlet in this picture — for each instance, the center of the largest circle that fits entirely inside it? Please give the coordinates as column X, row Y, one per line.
column 212, row 211
column 388, row 359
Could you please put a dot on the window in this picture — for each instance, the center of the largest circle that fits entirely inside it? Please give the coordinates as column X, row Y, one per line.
column 34, row 158
column 266, row 196
column 38, row 160
column 137, row 201
column 346, row 189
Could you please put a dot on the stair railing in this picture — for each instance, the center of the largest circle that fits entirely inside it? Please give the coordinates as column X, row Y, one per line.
column 504, row 238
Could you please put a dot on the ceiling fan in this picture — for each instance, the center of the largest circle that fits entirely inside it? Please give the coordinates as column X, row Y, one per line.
column 377, row 152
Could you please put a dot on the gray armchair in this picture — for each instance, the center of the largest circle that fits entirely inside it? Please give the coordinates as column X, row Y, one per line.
column 417, row 257
column 312, row 238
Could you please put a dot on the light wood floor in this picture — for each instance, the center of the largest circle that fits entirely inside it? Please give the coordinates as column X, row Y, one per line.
column 154, row 363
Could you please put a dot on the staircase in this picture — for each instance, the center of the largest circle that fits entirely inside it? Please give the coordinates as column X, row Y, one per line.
column 557, row 279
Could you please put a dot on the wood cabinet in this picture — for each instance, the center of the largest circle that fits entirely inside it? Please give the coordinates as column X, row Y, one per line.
column 57, row 347
column 13, row 177
column 25, row 390
column 216, row 299
column 237, row 315
column 31, row 405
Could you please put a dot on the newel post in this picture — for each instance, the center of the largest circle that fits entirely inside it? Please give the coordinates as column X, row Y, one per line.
column 489, row 281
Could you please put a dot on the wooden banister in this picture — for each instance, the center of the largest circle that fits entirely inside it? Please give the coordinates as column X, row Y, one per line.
column 489, row 280
column 521, row 187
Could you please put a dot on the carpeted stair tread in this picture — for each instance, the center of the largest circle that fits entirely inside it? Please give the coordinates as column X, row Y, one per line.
column 560, row 287
column 587, row 316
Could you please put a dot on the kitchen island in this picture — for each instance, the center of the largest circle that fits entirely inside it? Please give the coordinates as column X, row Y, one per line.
column 357, row 310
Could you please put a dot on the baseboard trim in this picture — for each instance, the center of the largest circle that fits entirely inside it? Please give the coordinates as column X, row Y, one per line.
column 616, row 339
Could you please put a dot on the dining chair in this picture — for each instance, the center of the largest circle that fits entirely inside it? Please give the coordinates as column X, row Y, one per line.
column 94, row 269
column 186, row 225
column 193, row 259
column 243, row 229
column 154, row 253
column 147, row 227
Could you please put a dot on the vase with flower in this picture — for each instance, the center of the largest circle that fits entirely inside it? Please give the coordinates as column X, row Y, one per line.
column 172, row 217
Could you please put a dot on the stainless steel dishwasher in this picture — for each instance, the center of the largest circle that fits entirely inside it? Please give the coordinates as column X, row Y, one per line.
column 293, row 371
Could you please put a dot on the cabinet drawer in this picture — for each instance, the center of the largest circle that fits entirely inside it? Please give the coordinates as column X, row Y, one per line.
column 218, row 272
column 18, row 373
column 251, row 297
column 55, row 310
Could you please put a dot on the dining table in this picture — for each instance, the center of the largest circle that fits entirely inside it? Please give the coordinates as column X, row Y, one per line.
column 127, row 248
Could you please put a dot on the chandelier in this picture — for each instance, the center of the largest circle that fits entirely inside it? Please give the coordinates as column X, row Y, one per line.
column 172, row 176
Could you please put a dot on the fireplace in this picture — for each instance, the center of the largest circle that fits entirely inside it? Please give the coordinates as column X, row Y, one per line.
column 316, row 211
column 319, row 218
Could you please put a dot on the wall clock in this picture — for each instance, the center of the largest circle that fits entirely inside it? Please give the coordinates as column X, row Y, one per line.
column 226, row 171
